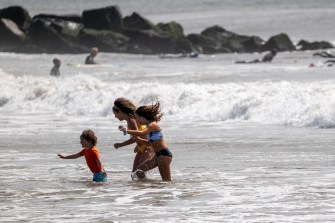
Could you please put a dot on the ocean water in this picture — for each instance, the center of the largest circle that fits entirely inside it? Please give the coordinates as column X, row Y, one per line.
column 251, row 142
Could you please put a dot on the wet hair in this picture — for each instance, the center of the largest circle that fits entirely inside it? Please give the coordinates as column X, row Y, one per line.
column 56, row 61
column 150, row 112
column 125, row 106
column 89, row 136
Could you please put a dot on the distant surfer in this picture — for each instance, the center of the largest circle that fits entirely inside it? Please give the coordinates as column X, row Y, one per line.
column 55, row 69
column 324, row 54
column 330, row 63
column 266, row 59
column 90, row 58
column 192, row 54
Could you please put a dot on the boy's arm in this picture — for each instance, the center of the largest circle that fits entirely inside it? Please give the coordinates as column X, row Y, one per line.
column 73, row 156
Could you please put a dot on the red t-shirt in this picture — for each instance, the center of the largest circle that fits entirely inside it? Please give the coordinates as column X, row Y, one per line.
column 92, row 159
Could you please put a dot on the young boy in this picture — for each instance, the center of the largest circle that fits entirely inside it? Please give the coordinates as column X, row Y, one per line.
column 88, row 140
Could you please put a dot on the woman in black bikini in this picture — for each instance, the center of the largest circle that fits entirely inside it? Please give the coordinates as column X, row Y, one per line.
column 150, row 115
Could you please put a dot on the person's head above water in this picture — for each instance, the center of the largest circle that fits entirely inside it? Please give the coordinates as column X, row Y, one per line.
column 56, row 62
column 94, row 51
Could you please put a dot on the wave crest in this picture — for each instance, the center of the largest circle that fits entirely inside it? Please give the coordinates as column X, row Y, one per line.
column 270, row 103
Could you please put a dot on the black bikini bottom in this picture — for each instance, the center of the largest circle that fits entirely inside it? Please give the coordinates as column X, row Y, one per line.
column 164, row 152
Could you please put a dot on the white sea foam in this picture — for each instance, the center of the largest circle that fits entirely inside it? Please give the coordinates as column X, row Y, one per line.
column 266, row 102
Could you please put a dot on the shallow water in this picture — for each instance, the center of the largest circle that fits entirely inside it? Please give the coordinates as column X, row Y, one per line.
column 246, row 173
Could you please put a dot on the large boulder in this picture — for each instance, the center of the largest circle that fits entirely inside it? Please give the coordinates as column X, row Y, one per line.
column 12, row 38
column 18, row 15
column 317, row 45
column 108, row 18
column 136, row 22
column 48, row 37
column 105, row 40
column 160, row 38
column 180, row 44
column 208, row 45
column 280, row 42
column 226, row 41
column 253, row 44
column 49, row 17
column 172, row 29
column 151, row 41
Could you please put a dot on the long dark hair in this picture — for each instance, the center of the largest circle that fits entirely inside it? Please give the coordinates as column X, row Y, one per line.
column 150, row 112
column 125, row 106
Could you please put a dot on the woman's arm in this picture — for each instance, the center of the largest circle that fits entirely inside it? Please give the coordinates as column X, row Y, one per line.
column 73, row 156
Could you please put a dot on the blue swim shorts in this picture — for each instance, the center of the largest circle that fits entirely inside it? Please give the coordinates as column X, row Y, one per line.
column 100, row 177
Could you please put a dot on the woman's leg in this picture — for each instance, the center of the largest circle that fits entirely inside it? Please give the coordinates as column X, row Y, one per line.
column 163, row 163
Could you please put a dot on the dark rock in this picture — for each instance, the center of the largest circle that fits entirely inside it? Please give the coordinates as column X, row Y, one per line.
column 47, row 36
column 183, row 45
column 207, row 44
column 150, row 40
column 172, row 29
column 137, row 22
column 108, row 18
column 317, row 45
column 105, row 40
column 12, row 37
column 163, row 38
column 280, row 42
column 253, row 44
column 49, row 17
column 226, row 41
column 69, row 30
column 18, row 15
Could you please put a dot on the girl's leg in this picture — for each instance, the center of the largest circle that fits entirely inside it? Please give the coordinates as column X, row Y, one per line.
column 163, row 163
column 141, row 158
column 136, row 161
column 144, row 167
column 145, row 156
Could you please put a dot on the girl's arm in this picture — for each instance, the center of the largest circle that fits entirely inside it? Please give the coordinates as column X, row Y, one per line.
column 125, row 143
column 141, row 140
column 132, row 125
column 143, row 132
column 73, row 156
